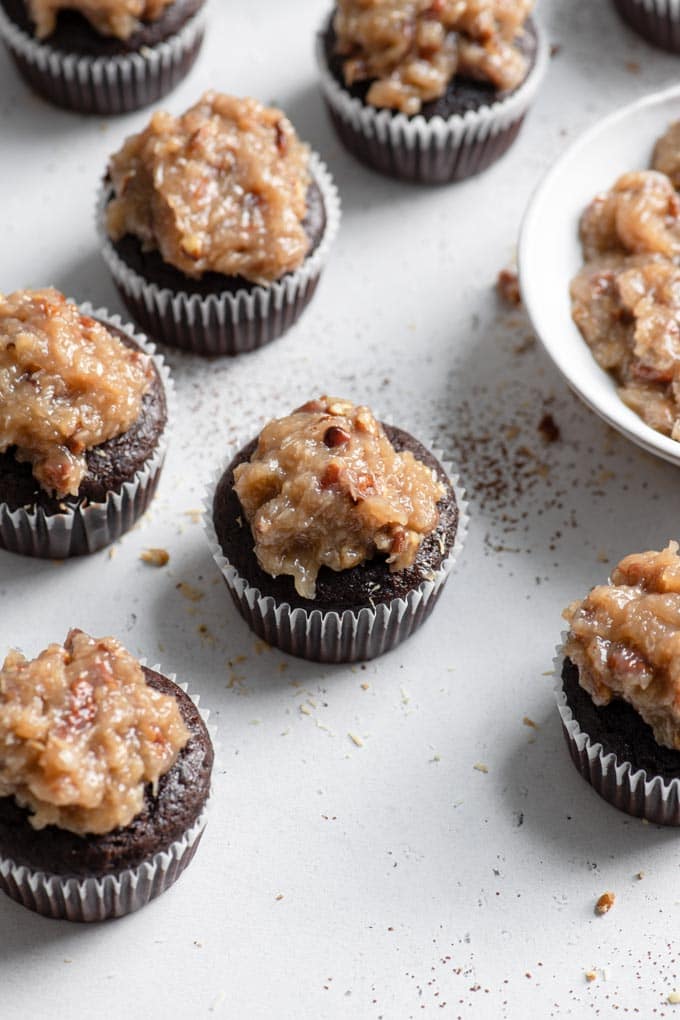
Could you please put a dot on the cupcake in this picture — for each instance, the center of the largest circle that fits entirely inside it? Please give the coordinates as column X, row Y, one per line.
column 657, row 21
column 216, row 225
column 618, row 686
column 83, row 415
column 102, row 58
column 429, row 92
column 104, row 778
column 335, row 534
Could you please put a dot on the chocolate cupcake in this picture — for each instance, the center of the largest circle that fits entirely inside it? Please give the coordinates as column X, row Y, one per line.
column 437, row 94
column 335, row 535
column 104, row 780
column 618, row 684
column 110, row 59
column 216, row 225
column 83, row 425
column 657, row 21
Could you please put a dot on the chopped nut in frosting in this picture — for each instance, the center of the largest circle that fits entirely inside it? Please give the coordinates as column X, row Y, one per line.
column 222, row 188
column 625, row 640
column 626, row 298
column 411, row 49
column 120, row 18
column 66, row 384
column 326, row 488
column 81, row 734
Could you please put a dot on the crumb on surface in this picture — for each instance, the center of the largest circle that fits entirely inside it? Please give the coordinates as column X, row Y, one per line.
column 507, row 285
column 549, row 429
column 357, row 741
column 605, row 903
column 591, row 975
column 189, row 592
column 673, row 998
column 481, row 767
column 528, row 721
column 155, row 557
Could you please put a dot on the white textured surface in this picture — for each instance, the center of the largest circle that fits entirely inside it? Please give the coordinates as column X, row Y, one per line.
column 413, row 884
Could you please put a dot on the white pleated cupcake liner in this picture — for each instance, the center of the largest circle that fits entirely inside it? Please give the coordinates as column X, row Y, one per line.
column 84, row 529
column 354, row 635
column 633, row 791
column 657, row 21
column 99, row 899
column 104, row 85
column 224, row 322
column 436, row 150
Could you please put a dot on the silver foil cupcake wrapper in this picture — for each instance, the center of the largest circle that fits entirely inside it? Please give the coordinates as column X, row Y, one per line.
column 84, row 529
column 657, row 21
column 435, row 150
column 104, row 85
column 100, row 899
column 224, row 322
column 656, row 799
column 350, row 636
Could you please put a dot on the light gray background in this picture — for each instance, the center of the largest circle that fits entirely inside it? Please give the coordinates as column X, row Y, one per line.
column 391, row 880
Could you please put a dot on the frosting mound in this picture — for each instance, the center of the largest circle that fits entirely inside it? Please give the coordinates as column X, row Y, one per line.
column 222, row 189
column 625, row 640
column 66, row 385
column 326, row 488
column 81, row 734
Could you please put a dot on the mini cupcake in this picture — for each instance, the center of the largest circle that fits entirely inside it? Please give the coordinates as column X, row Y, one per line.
column 216, row 225
column 102, row 58
column 618, row 686
column 429, row 92
column 104, row 779
column 335, row 534
column 83, row 416
column 657, row 21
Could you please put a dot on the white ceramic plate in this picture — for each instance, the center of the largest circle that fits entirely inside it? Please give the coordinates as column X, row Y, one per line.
column 550, row 252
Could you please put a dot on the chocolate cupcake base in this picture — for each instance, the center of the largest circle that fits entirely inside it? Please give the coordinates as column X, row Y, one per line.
column 359, row 617
column 657, row 21
column 103, row 85
column 428, row 150
column 94, row 878
column 223, row 321
column 618, row 757
column 41, row 526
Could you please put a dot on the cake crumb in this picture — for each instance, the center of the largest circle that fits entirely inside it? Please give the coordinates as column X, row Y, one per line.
column 189, row 592
column 155, row 557
column 602, row 556
column 507, row 286
column 194, row 515
column 305, row 709
column 640, row 875
column 365, row 686
column 279, row 897
column 605, row 903
column 674, row 998
column 480, row 767
column 357, row 741
column 530, row 722
column 591, row 975
column 262, row 646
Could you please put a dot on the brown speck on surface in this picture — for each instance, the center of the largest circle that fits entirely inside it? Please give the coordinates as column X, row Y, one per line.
column 365, row 686
column 605, row 903
column 633, row 67
column 555, row 49
column 673, row 998
column 640, row 875
column 279, row 897
column 189, row 592
column 591, row 975
column 193, row 515
column 261, row 646
column 548, row 428
column 507, row 286
column 155, row 557
column 530, row 722
column 602, row 556
column 480, row 767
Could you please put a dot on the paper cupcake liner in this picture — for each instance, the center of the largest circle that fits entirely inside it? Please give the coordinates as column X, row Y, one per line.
column 224, row 323
column 99, row 899
column 350, row 636
column 83, row 529
column 656, row 799
column 434, row 151
column 657, row 21
column 104, row 85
